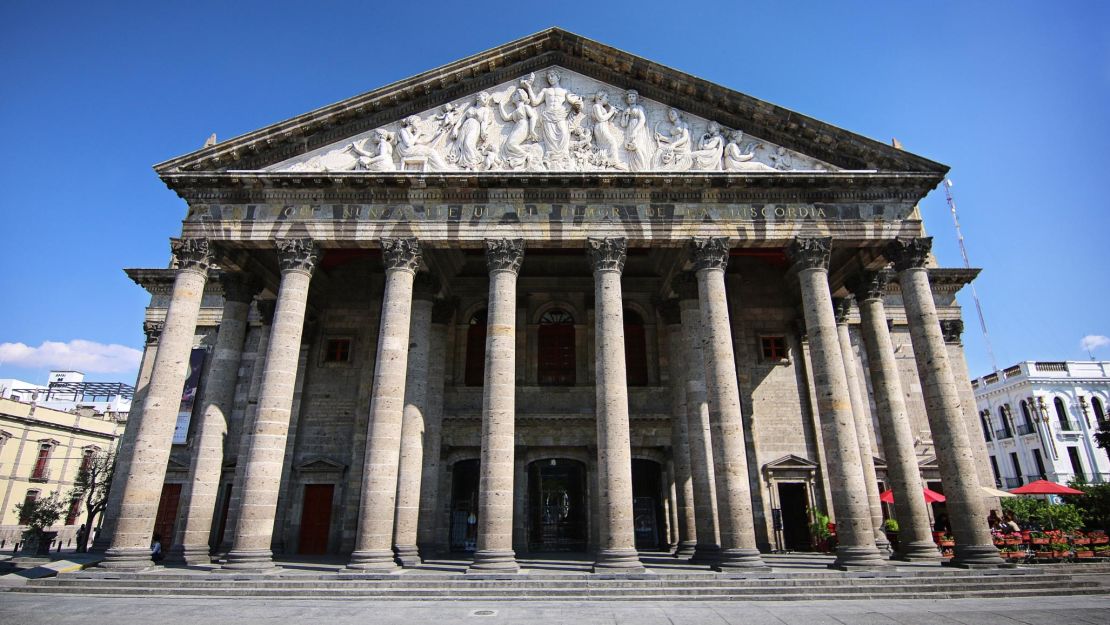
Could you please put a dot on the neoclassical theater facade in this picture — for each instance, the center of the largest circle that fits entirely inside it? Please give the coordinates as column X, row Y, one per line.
column 551, row 297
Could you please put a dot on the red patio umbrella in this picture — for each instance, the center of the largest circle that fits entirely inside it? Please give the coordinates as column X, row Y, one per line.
column 1044, row 487
column 931, row 496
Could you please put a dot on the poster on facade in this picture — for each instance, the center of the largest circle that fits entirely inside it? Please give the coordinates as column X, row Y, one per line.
column 189, row 396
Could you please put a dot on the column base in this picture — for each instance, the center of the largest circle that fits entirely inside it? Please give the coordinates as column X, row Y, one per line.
column 976, row 556
column 190, row 555
column 618, row 561
column 685, row 549
column 127, row 559
column 740, row 559
column 917, row 551
column 408, row 556
column 494, row 561
column 858, row 559
column 882, row 543
column 374, row 561
column 706, row 554
column 249, row 560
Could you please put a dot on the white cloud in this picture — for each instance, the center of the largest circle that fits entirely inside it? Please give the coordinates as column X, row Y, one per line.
column 78, row 354
column 1091, row 342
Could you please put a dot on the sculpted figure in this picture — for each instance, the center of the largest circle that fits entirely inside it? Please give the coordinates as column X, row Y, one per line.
column 636, row 141
column 380, row 158
column 552, row 102
column 782, row 159
column 520, row 150
column 608, row 145
column 471, row 134
column 741, row 159
column 413, row 144
column 677, row 143
column 710, row 148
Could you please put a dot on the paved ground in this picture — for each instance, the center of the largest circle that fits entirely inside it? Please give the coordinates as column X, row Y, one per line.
column 89, row 610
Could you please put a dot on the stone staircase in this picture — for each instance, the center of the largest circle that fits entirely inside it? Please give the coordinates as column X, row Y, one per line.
column 931, row 583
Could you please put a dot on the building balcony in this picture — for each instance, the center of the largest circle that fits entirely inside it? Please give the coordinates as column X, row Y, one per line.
column 1025, row 428
column 1002, row 434
column 1012, row 482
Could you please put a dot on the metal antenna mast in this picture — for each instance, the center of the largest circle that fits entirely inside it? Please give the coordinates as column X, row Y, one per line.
column 967, row 265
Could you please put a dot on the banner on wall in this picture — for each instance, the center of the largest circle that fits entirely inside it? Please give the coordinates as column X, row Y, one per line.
column 189, row 396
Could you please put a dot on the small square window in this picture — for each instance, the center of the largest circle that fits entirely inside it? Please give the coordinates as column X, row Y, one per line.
column 773, row 348
column 337, row 350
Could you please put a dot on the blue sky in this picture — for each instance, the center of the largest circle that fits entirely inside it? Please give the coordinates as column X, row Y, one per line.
column 1013, row 95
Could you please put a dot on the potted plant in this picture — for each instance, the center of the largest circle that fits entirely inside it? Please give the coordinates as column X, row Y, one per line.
column 819, row 529
column 1059, row 549
column 39, row 515
column 1098, row 537
column 1084, row 553
column 947, row 541
column 1038, row 538
column 1078, row 538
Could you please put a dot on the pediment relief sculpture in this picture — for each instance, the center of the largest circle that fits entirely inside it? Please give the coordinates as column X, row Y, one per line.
column 568, row 123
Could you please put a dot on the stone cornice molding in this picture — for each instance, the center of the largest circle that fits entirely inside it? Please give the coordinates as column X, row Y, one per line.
column 504, row 254
column 298, row 254
column 909, row 253
column 709, row 253
column 952, row 329
column 607, row 254
column 153, row 331
column 871, row 285
column 810, row 253
column 403, row 254
column 239, row 286
column 842, row 309
column 192, row 254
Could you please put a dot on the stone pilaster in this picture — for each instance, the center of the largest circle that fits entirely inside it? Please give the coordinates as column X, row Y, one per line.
column 842, row 308
column 495, row 490
column 198, row 499
column 442, row 312
column 617, row 551
column 856, row 538
column 413, row 425
column 680, row 442
column 958, row 472
column 141, row 485
column 915, row 541
column 254, row 526
column 377, row 506
column 730, row 464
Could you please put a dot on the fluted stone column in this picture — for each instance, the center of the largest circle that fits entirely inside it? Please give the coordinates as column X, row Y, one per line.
column 842, row 308
column 614, row 448
column 958, row 472
column 254, row 525
column 855, row 536
column 142, row 483
column 495, row 481
column 680, row 440
column 377, row 506
column 730, row 460
column 915, row 542
column 442, row 312
column 413, row 426
column 198, row 499
column 708, row 547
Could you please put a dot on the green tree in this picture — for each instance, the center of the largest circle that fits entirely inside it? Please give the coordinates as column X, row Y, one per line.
column 1093, row 504
column 91, row 488
column 39, row 514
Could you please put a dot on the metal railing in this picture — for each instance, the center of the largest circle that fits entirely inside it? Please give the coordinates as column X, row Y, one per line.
column 1025, row 428
column 1012, row 482
column 1001, row 434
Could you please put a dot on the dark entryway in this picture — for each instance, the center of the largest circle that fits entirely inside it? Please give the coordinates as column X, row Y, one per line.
column 464, row 505
column 557, row 505
column 794, row 504
column 556, row 366
column 167, row 515
column 225, row 507
column 316, row 519
column 647, row 504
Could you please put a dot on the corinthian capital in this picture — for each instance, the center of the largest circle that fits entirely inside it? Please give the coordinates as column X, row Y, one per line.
column 842, row 307
column 909, row 253
column 811, row 253
column 298, row 254
column 504, row 254
column 709, row 252
column 239, row 287
column 153, row 331
column 952, row 329
column 191, row 254
column 870, row 284
column 403, row 254
column 607, row 254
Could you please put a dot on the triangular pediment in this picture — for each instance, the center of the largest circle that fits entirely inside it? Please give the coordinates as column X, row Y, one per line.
column 452, row 133
column 321, row 465
column 790, row 462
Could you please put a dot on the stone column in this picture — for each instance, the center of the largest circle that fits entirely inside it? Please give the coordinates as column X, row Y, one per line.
column 680, row 443
column 842, row 307
column 377, row 506
column 142, row 483
column 855, row 536
column 915, row 542
column 943, row 407
column 708, row 547
column 495, row 481
column 407, row 516
column 254, row 525
column 198, row 500
column 730, row 460
column 426, row 538
column 617, row 552
column 103, row 540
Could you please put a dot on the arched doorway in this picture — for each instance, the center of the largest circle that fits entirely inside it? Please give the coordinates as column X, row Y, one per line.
column 557, row 505
column 647, row 504
column 464, row 505
column 556, row 366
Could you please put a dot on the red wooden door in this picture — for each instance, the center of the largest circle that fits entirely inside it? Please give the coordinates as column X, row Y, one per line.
column 316, row 518
column 556, row 357
column 476, row 350
column 167, row 515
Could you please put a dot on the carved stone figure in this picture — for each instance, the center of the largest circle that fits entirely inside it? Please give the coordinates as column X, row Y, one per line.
column 380, row 158
column 673, row 151
column 710, row 148
column 520, row 150
column 636, row 141
column 413, row 145
column 742, row 159
column 605, row 138
column 552, row 102
column 471, row 134
column 782, row 159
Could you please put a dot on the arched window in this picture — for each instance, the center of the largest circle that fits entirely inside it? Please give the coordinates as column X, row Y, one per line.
column 1062, row 414
column 635, row 349
column 1006, row 431
column 1026, row 415
column 1100, row 413
column 556, row 349
column 24, row 512
column 985, row 422
column 476, row 350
